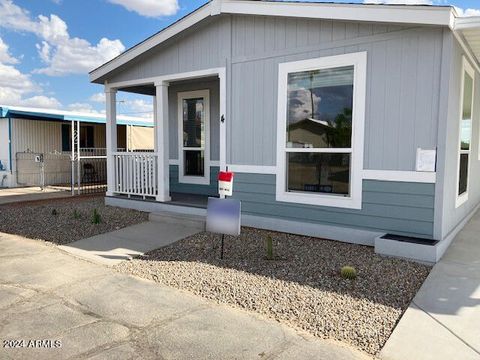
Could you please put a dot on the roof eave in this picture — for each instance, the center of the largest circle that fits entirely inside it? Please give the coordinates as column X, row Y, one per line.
column 467, row 32
column 181, row 25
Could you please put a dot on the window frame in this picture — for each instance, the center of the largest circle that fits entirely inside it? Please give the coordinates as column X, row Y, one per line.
column 188, row 179
column 359, row 61
column 467, row 68
column 67, row 136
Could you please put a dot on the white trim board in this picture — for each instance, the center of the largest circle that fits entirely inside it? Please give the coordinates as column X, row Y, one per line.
column 401, row 176
column 404, row 14
column 350, row 12
column 381, row 175
column 158, row 80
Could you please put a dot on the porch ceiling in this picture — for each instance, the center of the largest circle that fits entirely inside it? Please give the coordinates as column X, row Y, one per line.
column 140, row 89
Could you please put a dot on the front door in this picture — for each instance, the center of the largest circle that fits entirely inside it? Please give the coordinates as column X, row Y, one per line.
column 193, row 137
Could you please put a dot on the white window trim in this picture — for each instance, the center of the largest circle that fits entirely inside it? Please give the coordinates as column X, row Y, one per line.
column 182, row 178
column 354, row 201
column 466, row 68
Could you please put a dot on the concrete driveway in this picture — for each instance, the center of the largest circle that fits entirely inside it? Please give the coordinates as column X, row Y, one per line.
column 49, row 295
column 443, row 321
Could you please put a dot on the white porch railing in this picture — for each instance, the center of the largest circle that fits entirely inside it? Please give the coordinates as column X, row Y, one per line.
column 136, row 173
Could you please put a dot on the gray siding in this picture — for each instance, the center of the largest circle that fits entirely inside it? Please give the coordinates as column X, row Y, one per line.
column 203, row 46
column 452, row 216
column 404, row 88
column 211, row 189
column 173, row 91
column 402, row 84
column 395, row 207
column 402, row 81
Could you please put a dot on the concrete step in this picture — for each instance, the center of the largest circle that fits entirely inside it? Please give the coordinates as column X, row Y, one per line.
column 192, row 221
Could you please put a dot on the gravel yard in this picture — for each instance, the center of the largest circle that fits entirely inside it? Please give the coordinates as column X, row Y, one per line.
column 301, row 287
column 62, row 221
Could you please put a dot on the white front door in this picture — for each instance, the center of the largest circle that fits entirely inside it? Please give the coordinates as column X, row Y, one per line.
column 193, row 137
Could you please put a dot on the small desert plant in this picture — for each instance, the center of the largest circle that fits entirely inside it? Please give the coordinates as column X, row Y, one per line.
column 96, row 218
column 76, row 214
column 348, row 272
column 269, row 247
column 54, row 212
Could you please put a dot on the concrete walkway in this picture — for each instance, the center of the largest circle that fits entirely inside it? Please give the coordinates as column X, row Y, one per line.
column 96, row 313
column 114, row 247
column 443, row 321
column 14, row 195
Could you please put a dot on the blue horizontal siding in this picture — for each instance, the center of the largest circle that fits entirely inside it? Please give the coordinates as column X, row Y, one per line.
column 176, row 186
column 396, row 207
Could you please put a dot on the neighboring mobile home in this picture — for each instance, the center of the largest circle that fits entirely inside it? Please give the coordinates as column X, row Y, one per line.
column 342, row 121
column 25, row 132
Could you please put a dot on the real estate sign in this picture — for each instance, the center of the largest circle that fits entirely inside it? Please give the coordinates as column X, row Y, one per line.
column 223, row 216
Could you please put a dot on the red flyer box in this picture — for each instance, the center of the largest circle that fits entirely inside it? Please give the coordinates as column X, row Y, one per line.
column 225, row 183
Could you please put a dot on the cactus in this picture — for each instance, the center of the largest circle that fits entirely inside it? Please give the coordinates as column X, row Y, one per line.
column 54, row 212
column 96, row 218
column 348, row 272
column 269, row 247
column 76, row 214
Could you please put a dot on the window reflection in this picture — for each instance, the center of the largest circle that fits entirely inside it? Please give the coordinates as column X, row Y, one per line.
column 319, row 173
column 193, row 123
column 319, row 107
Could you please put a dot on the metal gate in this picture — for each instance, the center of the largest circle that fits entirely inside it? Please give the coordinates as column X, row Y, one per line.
column 81, row 170
column 38, row 169
column 88, row 166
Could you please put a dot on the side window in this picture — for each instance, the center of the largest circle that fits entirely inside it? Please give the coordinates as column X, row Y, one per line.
column 66, row 137
column 465, row 130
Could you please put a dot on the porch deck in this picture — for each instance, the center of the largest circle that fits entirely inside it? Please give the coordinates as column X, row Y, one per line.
column 178, row 199
column 195, row 200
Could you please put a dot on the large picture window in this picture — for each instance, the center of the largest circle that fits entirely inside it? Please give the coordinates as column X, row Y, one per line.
column 320, row 130
column 465, row 131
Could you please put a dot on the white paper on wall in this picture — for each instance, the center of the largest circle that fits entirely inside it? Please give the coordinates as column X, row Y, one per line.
column 426, row 160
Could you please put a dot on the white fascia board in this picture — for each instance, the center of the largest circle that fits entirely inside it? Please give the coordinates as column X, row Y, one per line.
column 465, row 23
column 425, row 15
column 183, row 24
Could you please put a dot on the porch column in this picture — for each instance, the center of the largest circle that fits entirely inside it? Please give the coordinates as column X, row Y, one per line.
column 111, row 132
column 161, row 141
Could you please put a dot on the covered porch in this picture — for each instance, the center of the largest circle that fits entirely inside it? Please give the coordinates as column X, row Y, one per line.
column 189, row 140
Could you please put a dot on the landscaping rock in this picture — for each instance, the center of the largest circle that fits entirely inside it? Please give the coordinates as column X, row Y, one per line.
column 303, row 288
column 62, row 221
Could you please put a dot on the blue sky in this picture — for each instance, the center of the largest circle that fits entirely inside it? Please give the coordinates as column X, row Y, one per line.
column 47, row 47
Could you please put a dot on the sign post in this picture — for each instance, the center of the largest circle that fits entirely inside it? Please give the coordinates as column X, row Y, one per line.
column 40, row 160
column 223, row 215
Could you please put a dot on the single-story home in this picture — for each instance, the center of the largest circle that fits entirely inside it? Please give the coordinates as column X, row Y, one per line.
column 350, row 122
column 25, row 132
